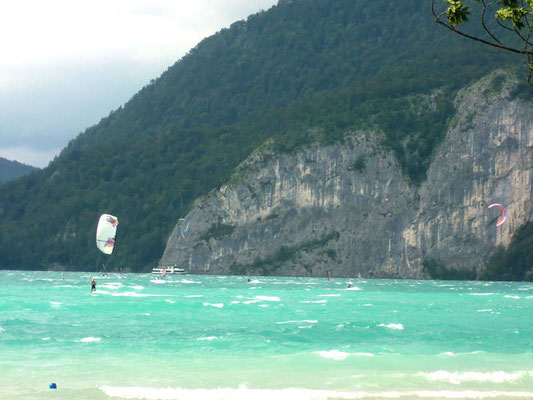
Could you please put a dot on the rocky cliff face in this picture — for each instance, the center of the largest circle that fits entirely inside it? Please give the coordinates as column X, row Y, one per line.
column 349, row 209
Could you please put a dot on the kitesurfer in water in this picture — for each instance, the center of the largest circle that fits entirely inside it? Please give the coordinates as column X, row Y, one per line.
column 93, row 285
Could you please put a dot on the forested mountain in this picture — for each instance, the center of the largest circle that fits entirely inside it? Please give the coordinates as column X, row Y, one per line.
column 11, row 170
column 305, row 70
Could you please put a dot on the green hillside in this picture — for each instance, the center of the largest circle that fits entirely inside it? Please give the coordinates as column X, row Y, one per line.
column 11, row 170
column 307, row 70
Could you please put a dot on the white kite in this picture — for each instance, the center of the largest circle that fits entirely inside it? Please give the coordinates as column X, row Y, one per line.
column 106, row 232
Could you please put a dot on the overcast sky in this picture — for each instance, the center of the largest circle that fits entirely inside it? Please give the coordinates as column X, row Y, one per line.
column 65, row 64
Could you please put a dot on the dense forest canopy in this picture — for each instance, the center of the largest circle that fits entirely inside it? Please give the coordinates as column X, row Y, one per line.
column 11, row 170
column 307, row 70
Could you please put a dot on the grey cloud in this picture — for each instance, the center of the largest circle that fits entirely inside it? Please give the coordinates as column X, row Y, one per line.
column 49, row 112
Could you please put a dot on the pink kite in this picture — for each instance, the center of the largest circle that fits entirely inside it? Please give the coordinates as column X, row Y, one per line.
column 503, row 216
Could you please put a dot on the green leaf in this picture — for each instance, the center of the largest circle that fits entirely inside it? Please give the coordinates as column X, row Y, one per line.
column 513, row 14
column 457, row 12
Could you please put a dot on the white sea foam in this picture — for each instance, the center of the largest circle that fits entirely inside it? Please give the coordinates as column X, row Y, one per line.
column 188, row 281
column 448, row 353
column 194, row 295
column 457, row 378
column 263, row 305
column 307, row 321
column 481, row 294
column 341, row 355
column 137, row 287
column 267, row 298
column 112, row 285
column 243, row 393
column 511, row 297
column 89, row 339
column 353, row 288
column 169, row 301
column 45, row 338
column 217, row 305
column 475, row 352
column 485, row 310
column 367, row 305
column 55, row 304
column 251, row 301
column 314, row 301
column 329, row 295
column 392, row 326
column 207, row 338
column 333, row 354
column 158, row 281
column 135, row 294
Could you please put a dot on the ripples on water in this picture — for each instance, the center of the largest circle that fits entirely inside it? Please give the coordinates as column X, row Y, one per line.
column 222, row 337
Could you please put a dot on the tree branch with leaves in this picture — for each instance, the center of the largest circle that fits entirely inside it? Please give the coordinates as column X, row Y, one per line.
column 510, row 28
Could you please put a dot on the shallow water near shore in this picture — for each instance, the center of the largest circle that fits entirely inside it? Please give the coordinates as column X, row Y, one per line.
column 222, row 337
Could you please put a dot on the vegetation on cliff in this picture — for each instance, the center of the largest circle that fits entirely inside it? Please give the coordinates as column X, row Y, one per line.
column 514, row 263
column 437, row 270
column 270, row 265
column 304, row 71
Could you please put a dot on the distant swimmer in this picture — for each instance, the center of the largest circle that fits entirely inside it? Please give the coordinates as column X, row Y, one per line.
column 93, row 285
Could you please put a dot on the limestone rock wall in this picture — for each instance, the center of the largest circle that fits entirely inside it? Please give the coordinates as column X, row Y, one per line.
column 348, row 208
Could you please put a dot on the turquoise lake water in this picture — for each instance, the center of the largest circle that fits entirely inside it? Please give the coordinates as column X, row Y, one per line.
column 222, row 337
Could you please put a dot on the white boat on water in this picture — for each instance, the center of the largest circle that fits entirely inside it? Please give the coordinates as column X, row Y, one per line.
column 170, row 270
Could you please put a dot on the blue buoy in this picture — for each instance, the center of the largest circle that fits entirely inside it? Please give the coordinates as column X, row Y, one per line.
column 53, row 386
